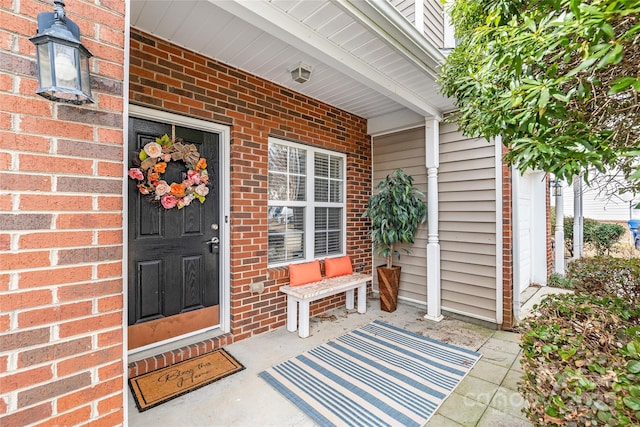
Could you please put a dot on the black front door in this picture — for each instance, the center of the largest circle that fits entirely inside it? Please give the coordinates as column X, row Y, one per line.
column 173, row 266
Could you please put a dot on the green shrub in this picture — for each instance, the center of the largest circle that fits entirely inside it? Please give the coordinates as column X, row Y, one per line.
column 559, row 281
column 603, row 236
column 606, row 276
column 598, row 235
column 582, row 362
column 588, row 224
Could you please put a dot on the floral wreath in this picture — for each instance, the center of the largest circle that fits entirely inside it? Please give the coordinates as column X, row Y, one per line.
column 151, row 163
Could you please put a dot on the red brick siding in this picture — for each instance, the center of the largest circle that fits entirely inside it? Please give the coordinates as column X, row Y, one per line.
column 171, row 78
column 507, row 246
column 61, row 284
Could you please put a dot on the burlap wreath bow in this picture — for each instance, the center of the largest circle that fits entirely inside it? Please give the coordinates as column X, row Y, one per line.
column 187, row 153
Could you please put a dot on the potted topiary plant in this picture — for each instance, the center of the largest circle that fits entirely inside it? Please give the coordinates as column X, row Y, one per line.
column 396, row 210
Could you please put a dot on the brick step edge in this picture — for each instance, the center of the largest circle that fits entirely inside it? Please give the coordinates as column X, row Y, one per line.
column 171, row 357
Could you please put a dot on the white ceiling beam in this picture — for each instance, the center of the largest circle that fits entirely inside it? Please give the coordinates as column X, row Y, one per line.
column 279, row 24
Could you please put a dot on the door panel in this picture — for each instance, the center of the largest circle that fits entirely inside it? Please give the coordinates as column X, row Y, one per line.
column 172, row 268
column 524, row 231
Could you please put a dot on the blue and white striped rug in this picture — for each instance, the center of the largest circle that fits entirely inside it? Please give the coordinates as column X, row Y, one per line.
column 378, row 375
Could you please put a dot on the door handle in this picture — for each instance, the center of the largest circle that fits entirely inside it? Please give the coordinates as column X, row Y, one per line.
column 213, row 243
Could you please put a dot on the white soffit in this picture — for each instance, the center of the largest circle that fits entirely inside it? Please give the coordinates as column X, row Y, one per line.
column 354, row 69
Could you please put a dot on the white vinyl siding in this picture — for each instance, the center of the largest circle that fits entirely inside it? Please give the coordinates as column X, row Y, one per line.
column 467, row 214
column 407, row 8
column 596, row 204
column 434, row 22
column 405, row 150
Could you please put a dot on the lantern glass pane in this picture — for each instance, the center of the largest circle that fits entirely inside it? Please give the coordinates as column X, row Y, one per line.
column 66, row 66
column 84, row 74
column 44, row 61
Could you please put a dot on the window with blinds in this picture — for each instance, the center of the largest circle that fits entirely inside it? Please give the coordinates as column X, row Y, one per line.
column 307, row 206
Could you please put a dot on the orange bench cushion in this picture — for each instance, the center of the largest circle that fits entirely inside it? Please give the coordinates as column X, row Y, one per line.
column 301, row 274
column 337, row 266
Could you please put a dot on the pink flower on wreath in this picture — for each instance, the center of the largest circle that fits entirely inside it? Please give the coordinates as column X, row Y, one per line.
column 193, row 176
column 204, row 179
column 168, row 201
column 136, row 173
column 162, row 188
column 153, row 149
column 166, row 157
column 202, row 190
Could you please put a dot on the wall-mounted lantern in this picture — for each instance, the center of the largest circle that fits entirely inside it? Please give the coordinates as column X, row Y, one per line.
column 63, row 61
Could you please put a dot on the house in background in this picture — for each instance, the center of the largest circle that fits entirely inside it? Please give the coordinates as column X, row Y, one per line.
column 597, row 198
column 95, row 281
column 602, row 204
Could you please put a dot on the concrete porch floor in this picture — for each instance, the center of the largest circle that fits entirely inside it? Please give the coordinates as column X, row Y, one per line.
column 488, row 396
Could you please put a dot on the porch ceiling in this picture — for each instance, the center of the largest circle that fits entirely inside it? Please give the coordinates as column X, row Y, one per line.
column 364, row 55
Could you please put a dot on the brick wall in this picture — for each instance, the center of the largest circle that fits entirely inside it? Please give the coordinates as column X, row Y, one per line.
column 61, row 354
column 170, row 78
column 507, row 246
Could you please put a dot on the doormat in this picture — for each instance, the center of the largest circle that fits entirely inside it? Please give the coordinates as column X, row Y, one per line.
column 373, row 376
column 156, row 387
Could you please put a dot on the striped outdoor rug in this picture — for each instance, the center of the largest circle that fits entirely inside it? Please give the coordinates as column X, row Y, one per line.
column 378, row 375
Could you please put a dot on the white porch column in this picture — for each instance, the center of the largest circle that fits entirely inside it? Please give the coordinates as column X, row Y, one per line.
column 432, row 141
column 578, row 223
column 559, row 231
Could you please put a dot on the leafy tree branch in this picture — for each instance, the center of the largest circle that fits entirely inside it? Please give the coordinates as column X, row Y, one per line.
column 558, row 80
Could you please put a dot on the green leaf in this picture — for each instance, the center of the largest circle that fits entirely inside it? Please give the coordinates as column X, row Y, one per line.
column 557, row 400
column 613, row 57
column 583, row 65
column 620, row 84
column 601, row 406
column 574, row 5
column 631, row 348
column 517, row 101
column 544, row 98
column 633, row 367
column 607, row 29
column 164, row 140
column 632, row 402
column 143, row 155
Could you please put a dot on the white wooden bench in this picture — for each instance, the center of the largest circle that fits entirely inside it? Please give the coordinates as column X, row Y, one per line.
column 310, row 292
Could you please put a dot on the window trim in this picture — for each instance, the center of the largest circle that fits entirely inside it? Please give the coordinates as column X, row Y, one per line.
column 310, row 205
